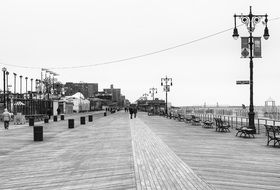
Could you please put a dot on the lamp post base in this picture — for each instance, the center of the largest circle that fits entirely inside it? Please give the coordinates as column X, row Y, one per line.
column 252, row 121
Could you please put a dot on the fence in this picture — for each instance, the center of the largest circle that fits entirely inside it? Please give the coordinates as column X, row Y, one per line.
column 236, row 121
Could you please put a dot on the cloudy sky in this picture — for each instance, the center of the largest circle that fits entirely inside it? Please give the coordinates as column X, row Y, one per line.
column 76, row 37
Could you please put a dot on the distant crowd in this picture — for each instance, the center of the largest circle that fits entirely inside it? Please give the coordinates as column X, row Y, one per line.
column 132, row 111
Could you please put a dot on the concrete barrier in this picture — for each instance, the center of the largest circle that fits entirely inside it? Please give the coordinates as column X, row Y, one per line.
column 38, row 133
column 46, row 120
column 83, row 120
column 70, row 123
column 90, row 118
column 31, row 121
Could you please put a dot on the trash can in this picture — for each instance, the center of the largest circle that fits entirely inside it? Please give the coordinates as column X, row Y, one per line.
column 83, row 120
column 31, row 121
column 46, row 120
column 70, row 123
column 55, row 118
column 62, row 117
column 105, row 113
column 38, row 133
column 90, row 118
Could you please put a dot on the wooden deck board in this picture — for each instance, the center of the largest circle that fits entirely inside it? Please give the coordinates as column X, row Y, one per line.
column 222, row 159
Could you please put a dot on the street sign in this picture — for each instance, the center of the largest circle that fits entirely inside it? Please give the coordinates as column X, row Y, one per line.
column 242, row 82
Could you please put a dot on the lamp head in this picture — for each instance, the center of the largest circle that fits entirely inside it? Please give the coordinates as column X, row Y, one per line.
column 235, row 33
column 266, row 33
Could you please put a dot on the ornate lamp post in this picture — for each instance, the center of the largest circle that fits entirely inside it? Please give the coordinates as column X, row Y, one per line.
column 152, row 92
column 166, row 88
column 250, row 21
column 4, row 85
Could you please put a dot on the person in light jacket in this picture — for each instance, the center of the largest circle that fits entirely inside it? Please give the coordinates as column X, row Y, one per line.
column 6, row 118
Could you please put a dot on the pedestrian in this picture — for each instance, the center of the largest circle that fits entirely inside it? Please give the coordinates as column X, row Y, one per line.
column 135, row 111
column 6, row 118
column 130, row 111
column 49, row 112
column 58, row 111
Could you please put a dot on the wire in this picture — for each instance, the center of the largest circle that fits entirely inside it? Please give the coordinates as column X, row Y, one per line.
column 137, row 56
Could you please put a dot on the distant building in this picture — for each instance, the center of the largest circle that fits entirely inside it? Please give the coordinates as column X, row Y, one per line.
column 116, row 94
column 87, row 89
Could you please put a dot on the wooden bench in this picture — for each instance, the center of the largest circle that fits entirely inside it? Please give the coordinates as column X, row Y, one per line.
column 245, row 131
column 208, row 124
column 222, row 126
column 196, row 121
column 273, row 134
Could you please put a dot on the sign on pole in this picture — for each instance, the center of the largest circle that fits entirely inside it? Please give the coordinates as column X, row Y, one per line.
column 242, row 82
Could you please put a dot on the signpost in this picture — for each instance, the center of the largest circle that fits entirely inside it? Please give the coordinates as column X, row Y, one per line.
column 242, row 82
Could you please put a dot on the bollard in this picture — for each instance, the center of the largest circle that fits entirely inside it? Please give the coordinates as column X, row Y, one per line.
column 83, row 120
column 61, row 117
column 55, row 118
column 70, row 123
column 105, row 113
column 31, row 121
column 46, row 120
column 90, row 118
column 38, row 133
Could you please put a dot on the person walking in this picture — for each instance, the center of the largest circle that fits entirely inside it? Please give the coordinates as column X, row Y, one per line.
column 130, row 111
column 6, row 118
column 135, row 111
column 58, row 111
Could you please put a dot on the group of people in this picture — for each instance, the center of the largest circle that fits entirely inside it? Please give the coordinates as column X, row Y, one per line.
column 132, row 111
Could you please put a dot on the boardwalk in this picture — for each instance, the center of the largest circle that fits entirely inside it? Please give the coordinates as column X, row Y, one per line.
column 115, row 152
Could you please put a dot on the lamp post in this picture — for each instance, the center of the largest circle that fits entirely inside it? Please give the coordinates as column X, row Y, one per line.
column 20, row 77
column 166, row 88
column 15, row 78
column 250, row 21
column 7, row 99
column 26, row 86
column 4, row 85
column 152, row 92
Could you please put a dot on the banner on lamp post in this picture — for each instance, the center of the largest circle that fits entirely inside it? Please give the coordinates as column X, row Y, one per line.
column 245, row 50
column 257, row 47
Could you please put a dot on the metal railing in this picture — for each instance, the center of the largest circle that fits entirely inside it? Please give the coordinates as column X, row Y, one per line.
column 237, row 121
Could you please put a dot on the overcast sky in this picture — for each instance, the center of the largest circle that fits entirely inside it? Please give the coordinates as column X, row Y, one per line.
column 72, row 33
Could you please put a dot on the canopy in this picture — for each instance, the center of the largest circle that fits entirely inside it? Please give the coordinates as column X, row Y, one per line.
column 19, row 103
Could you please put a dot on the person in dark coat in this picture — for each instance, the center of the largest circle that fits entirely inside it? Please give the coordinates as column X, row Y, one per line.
column 130, row 109
column 58, row 111
column 135, row 111
column 49, row 113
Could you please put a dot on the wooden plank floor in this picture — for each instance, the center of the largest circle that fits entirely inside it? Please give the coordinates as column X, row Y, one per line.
column 149, row 152
column 223, row 160
column 97, row 155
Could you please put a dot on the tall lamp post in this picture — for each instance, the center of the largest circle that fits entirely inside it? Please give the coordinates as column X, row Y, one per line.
column 7, row 99
column 20, row 77
column 166, row 87
column 250, row 21
column 26, row 86
column 152, row 92
column 4, row 85
column 15, row 83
